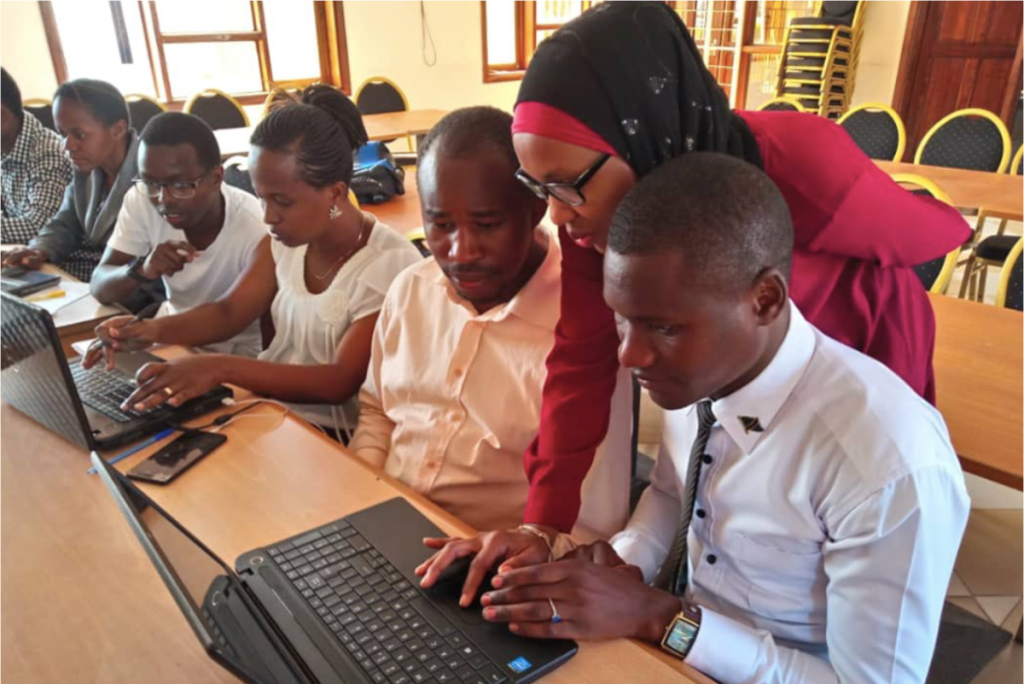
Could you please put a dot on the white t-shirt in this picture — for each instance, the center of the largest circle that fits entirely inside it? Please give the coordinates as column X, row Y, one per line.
column 140, row 229
column 309, row 326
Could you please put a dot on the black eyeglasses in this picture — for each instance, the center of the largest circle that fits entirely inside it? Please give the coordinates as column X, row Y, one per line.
column 570, row 193
column 176, row 189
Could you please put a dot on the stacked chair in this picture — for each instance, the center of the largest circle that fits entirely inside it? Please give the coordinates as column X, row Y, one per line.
column 819, row 58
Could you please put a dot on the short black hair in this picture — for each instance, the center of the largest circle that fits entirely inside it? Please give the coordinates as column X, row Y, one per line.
column 177, row 128
column 724, row 214
column 322, row 126
column 464, row 132
column 104, row 101
column 10, row 95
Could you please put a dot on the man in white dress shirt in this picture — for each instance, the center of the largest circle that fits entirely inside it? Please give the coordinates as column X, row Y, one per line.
column 814, row 498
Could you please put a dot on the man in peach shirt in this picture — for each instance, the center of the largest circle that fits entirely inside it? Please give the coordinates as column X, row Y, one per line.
column 452, row 394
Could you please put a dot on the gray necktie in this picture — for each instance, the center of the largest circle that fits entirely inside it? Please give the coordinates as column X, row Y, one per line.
column 673, row 574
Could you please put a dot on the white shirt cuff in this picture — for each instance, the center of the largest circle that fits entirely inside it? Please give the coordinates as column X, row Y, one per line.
column 636, row 550
column 724, row 649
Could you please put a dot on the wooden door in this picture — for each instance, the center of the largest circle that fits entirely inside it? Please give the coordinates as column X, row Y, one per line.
column 958, row 55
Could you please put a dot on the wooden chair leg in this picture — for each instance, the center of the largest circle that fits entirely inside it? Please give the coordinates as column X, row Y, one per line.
column 968, row 271
column 981, row 282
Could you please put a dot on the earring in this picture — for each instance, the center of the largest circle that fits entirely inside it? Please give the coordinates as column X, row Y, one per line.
column 334, row 212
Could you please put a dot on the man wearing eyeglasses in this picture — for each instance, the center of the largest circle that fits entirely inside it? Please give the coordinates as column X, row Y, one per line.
column 182, row 224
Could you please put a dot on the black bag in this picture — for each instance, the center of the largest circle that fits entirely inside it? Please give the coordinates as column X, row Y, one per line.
column 377, row 177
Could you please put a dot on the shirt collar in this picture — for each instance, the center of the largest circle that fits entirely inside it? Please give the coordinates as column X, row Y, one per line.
column 26, row 142
column 537, row 302
column 748, row 413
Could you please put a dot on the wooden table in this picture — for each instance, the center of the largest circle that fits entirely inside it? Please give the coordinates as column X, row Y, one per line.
column 82, row 603
column 401, row 212
column 998, row 194
column 979, row 367
column 388, row 126
column 978, row 375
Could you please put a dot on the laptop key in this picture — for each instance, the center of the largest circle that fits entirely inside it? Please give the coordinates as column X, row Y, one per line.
column 378, row 677
column 420, row 676
column 478, row 660
column 444, row 675
column 433, row 616
column 307, row 538
column 491, row 675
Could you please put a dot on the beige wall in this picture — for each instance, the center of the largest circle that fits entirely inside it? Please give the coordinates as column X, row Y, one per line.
column 881, row 47
column 23, row 49
column 384, row 39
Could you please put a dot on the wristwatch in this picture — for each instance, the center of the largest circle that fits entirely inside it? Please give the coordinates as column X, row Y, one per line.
column 133, row 269
column 682, row 631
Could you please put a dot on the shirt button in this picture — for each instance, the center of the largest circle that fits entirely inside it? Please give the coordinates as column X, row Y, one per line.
column 701, row 513
column 706, row 459
column 712, row 559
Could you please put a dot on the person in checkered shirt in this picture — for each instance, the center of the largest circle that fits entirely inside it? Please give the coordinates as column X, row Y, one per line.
column 35, row 171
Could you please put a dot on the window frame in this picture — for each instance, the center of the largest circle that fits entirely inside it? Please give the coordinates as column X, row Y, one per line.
column 332, row 48
column 526, row 28
column 526, row 33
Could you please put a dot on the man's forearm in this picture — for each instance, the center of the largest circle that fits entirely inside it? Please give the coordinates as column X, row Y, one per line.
column 111, row 284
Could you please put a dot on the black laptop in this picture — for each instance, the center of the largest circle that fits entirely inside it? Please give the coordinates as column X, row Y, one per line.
column 339, row 603
column 82, row 406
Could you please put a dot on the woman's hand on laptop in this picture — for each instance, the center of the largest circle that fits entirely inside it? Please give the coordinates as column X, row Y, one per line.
column 517, row 548
column 120, row 333
column 175, row 382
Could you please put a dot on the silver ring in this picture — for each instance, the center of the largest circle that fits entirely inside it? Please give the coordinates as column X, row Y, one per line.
column 168, row 391
column 555, row 617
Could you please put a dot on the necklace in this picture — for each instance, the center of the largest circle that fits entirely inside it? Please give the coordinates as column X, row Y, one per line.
column 346, row 255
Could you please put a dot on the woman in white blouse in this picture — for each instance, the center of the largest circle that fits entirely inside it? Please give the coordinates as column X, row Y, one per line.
column 322, row 273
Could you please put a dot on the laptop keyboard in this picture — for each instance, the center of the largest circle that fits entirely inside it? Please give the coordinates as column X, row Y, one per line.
column 395, row 634
column 104, row 392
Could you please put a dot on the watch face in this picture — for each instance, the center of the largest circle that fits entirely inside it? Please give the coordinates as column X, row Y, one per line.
column 680, row 638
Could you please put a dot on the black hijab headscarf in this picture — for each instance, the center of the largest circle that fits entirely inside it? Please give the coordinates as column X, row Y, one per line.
column 632, row 73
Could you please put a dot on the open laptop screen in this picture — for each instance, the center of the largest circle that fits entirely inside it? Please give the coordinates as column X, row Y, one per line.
column 35, row 377
column 196, row 578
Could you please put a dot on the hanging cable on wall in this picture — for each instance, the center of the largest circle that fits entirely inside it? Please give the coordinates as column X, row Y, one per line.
column 427, row 38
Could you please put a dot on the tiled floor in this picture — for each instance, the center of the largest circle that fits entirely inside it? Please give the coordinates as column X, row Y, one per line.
column 987, row 581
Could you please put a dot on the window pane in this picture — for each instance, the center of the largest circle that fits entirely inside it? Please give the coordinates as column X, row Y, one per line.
column 91, row 50
column 231, row 67
column 501, row 31
column 557, row 11
column 221, row 16
column 773, row 16
column 764, row 69
column 292, row 40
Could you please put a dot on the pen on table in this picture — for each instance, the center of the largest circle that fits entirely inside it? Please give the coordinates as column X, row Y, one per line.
column 56, row 294
column 163, row 434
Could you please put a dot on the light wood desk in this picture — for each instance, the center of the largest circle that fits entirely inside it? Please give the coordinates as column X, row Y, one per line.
column 998, row 194
column 401, row 212
column 979, row 364
column 82, row 603
column 388, row 126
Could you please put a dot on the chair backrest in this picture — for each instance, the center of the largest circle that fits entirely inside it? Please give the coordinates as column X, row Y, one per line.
column 378, row 95
column 781, row 104
column 218, row 109
column 1011, row 280
column 42, row 110
column 877, row 129
column 280, row 93
column 935, row 274
column 1015, row 165
column 236, row 174
column 142, row 108
column 972, row 139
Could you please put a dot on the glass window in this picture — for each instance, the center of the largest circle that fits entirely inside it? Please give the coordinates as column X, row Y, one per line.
column 290, row 59
column 231, row 67
column 222, row 16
